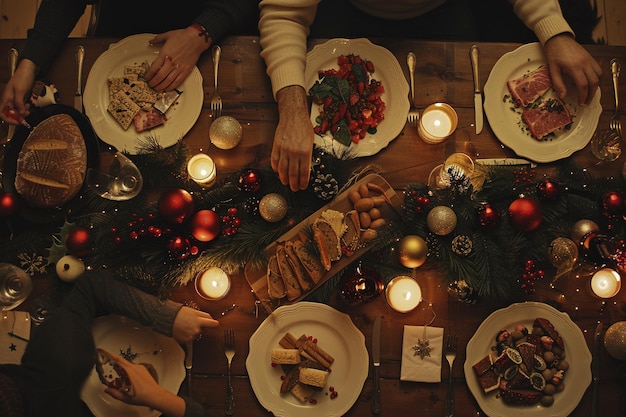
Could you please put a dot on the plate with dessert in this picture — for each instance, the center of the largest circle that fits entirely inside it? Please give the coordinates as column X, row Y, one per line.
column 121, row 107
column 526, row 114
column 528, row 359
column 324, row 243
column 307, row 360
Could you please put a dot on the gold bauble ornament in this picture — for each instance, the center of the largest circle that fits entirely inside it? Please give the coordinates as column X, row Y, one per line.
column 563, row 252
column 273, row 207
column 615, row 340
column 412, row 251
column 582, row 228
column 441, row 220
column 225, row 132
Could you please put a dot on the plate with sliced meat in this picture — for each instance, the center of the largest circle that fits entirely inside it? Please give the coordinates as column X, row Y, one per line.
column 526, row 114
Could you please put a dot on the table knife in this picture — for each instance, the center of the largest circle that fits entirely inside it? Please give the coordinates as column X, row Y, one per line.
column 595, row 369
column 189, row 363
column 78, row 97
column 478, row 97
column 12, row 64
column 376, row 406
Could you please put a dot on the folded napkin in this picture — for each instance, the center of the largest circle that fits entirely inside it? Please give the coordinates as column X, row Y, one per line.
column 414, row 368
column 12, row 347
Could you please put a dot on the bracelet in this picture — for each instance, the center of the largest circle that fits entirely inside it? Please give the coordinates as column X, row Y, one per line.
column 202, row 32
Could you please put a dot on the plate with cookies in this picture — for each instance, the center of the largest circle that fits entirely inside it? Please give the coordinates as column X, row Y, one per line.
column 326, row 242
column 121, row 105
column 46, row 166
column 307, row 360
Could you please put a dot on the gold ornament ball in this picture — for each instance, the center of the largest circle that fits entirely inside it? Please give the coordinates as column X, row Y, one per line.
column 582, row 228
column 225, row 132
column 563, row 252
column 412, row 251
column 615, row 340
column 273, row 207
column 441, row 220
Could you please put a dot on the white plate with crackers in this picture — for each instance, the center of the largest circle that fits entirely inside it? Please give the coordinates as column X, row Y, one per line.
column 334, row 332
column 130, row 51
column 578, row 375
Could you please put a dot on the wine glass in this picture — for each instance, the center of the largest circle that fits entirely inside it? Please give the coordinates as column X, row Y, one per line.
column 457, row 164
column 15, row 286
column 121, row 179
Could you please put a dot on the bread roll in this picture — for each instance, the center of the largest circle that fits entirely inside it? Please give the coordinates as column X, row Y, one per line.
column 52, row 163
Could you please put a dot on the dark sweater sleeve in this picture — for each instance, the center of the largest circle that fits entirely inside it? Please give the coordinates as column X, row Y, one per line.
column 54, row 22
column 221, row 17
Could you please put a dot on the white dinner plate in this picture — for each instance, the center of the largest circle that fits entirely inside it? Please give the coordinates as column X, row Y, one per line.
column 387, row 70
column 507, row 124
column 335, row 333
column 180, row 117
column 577, row 378
column 125, row 337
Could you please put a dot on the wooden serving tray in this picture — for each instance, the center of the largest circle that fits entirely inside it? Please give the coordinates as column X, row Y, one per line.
column 256, row 277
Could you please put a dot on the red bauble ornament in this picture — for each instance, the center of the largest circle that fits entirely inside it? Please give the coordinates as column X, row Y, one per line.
column 175, row 205
column 612, row 203
column 250, row 180
column 9, row 204
column 488, row 215
column 525, row 214
column 179, row 247
column 548, row 189
column 205, row 225
column 78, row 241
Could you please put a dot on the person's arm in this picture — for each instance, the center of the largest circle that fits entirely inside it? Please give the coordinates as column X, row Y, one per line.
column 563, row 53
column 284, row 27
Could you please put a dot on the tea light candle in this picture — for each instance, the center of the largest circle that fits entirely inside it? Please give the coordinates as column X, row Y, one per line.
column 403, row 294
column 201, row 168
column 212, row 284
column 606, row 283
column 438, row 121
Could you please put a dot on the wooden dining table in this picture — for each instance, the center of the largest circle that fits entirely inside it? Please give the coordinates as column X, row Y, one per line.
column 443, row 74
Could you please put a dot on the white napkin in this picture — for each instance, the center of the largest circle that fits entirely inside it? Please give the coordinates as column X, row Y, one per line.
column 12, row 347
column 414, row 368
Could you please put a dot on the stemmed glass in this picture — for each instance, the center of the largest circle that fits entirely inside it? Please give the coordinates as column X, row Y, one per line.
column 121, row 179
column 457, row 163
column 15, row 286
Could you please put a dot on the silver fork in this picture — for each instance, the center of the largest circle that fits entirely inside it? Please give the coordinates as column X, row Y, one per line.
column 450, row 352
column 229, row 351
column 216, row 100
column 414, row 115
column 615, row 123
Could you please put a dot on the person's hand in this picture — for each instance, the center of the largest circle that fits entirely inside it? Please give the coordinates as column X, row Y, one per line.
column 179, row 54
column 566, row 56
column 189, row 324
column 18, row 89
column 293, row 140
column 147, row 391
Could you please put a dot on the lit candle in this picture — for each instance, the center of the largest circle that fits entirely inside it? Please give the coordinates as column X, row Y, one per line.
column 201, row 168
column 438, row 121
column 403, row 294
column 606, row 283
column 212, row 284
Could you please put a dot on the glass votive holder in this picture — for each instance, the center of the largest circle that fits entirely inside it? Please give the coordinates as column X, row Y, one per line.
column 438, row 121
column 201, row 169
column 606, row 283
column 212, row 284
column 403, row 293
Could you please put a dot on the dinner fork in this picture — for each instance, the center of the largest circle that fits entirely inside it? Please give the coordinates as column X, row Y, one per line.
column 216, row 100
column 450, row 352
column 229, row 351
column 615, row 124
column 413, row 116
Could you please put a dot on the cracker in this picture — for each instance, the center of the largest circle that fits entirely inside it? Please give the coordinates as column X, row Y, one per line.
column 123, row 109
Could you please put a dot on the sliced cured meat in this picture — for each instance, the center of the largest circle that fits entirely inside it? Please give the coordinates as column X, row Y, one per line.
column 546, row 118
column 145, row 120
column 530, row 86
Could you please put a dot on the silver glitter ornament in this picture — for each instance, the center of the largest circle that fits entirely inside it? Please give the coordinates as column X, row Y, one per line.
column 441, row 220
column 273, row 207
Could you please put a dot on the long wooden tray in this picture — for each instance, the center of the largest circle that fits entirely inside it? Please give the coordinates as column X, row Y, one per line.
column 256, row 277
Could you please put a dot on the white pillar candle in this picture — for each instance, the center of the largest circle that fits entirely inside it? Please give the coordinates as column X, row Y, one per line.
column 403, row 294
column 212, row 284
column 606, row 283
column 201, row 168
column 437, row 122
